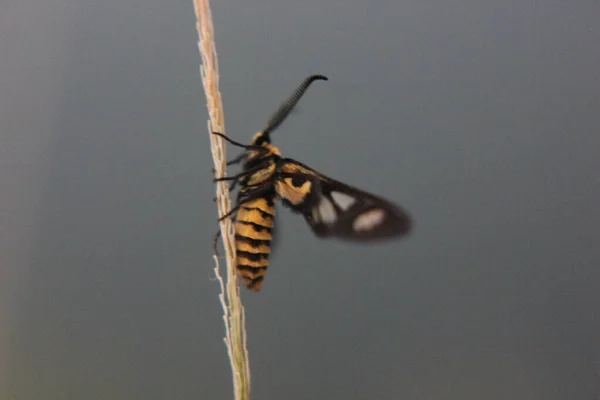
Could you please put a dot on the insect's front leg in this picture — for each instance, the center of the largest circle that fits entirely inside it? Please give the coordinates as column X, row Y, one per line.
column 262, row 150
column 233, row 142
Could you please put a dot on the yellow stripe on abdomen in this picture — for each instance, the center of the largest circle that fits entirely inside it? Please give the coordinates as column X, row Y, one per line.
column 254, row 222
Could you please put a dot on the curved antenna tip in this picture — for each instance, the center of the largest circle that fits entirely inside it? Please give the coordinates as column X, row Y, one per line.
column 317, row 77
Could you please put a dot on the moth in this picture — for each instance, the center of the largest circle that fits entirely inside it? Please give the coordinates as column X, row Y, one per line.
column 331, row 208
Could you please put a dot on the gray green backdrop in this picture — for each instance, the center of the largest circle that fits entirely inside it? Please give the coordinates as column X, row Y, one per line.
column 480, row 118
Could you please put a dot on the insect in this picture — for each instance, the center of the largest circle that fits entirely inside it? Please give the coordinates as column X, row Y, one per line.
column 331, row 208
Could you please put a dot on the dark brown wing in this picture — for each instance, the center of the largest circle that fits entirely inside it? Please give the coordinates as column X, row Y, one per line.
column 333, row 208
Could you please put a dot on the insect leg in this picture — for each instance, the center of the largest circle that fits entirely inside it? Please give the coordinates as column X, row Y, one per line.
column 240, row 175
column 243, row 197
column 230, row 189
column 234, row 209
column 237, row 207
column 238, row 144
column 237, row 160
column 233, row 142
column 229, row 178
column 234, row 161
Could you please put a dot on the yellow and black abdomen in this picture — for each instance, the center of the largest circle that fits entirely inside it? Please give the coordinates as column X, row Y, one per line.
column 253, row 226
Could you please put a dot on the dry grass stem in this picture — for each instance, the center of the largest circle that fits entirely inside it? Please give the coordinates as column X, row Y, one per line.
column 233, row 310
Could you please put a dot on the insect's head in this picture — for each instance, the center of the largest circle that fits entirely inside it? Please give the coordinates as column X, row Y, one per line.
column 261, row 138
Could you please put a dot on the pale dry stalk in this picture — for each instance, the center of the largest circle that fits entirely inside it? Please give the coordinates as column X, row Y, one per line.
column 233, row 310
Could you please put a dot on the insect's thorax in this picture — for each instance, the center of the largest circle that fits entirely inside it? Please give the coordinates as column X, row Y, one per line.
column 264, row 162
column 262, row 175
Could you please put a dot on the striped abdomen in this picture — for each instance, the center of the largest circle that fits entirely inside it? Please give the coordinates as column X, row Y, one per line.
column 254, row 222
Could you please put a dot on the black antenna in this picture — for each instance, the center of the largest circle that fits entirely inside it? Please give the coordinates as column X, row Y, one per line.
column 286, row 107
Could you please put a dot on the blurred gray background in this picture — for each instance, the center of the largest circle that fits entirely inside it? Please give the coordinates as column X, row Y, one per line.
column 482, row 119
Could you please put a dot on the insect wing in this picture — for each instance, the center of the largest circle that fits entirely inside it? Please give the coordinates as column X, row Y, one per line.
column 335, row 209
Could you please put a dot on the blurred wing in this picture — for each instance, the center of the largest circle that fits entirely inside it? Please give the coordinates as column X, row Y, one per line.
column 332, row 208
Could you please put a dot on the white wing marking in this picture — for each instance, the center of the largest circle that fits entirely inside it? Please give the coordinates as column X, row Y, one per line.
column 327, row 211
column 343, row 200
column 368, row 220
